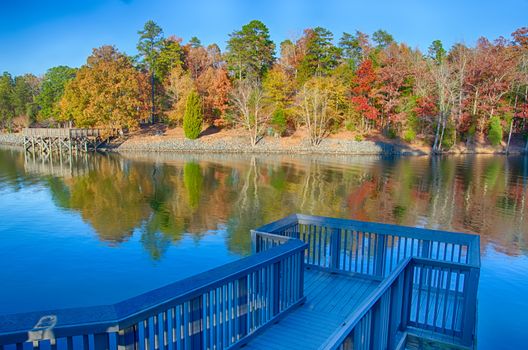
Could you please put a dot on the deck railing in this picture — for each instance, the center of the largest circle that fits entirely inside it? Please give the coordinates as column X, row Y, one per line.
column 216, row 309
column 443, row 299
column 419, row 295
column 429, row 278
column 61, row 132
column 376, row 323
column 371, row 248
column 428, row 285
column 262, row 241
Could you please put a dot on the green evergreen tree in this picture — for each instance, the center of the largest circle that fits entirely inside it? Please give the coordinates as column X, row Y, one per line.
column 382, row 38
column 251, row 51
column 193, row 117
column 321, row 54
column 149, row 46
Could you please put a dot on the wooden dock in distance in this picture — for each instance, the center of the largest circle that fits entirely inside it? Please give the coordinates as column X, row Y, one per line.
column 49, row 140
column 312, row 283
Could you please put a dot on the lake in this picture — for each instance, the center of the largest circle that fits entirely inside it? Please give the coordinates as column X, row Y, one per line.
column 95, row 229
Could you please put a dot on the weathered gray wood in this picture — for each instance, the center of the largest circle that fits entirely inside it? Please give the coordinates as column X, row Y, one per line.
column 50, row 140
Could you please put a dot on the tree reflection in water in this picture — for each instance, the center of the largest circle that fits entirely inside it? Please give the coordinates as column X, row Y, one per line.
column 166, row 195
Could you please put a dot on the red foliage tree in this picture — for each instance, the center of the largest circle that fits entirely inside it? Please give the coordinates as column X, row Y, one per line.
column 364, row 93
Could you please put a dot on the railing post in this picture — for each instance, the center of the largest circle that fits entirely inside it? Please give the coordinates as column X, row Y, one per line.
column 276, row 287
column 301, row 277
column 335, row 248
column 407, row 294
column 101, row 341
column 253, row 242
column 379, row 260
column 470, row 305
column 426, row 246
column 127, row 339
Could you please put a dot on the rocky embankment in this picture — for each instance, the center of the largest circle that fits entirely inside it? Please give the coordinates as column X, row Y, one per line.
column 269, row 145
column 11, row 139
column 266, row 145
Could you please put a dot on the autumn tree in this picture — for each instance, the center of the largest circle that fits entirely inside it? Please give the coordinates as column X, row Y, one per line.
column 364, row 96
column 108, row 92
column 445, row 92
column 279, row 88
column 197, row 59
column 491, row 77
column 520, row 89
column 250, row 51
column 179, row 85
column 317, row 104
column 214, row 86
column 248, row 101
column 458, row 59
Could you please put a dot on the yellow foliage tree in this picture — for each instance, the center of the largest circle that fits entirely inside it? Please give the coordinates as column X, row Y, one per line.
column 319, row 105
column 279, row 88
column 179, row 85
column 108, row 92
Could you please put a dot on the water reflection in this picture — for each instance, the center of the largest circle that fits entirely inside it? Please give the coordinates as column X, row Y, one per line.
column 166, row 195
column 169, row 216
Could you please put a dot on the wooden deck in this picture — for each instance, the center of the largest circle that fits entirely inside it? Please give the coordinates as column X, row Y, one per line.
column 312, row 283
column 46, row 141
column 330, row 299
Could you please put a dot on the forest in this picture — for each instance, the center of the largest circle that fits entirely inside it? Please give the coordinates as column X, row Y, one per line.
column 367, row 85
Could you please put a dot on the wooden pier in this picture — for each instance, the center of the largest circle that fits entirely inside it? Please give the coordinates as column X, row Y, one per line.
column 48, row 140
column 312, row 283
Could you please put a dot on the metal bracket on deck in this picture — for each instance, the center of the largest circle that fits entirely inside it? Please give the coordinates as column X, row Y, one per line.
column 43, row 329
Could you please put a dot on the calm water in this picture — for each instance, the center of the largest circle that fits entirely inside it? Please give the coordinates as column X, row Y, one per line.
column 99, row 229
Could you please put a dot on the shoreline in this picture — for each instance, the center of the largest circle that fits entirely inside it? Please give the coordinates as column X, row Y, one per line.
column 270, row 145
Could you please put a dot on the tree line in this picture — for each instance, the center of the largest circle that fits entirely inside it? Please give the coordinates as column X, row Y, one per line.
column 367, row 85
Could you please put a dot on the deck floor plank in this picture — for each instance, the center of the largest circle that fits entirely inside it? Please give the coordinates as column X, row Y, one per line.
column 330, row 298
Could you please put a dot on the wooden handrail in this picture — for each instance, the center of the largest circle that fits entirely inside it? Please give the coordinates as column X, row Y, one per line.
column 63, row 132
column 409, row 283
column 336, row 339
column 429, row 240
column 113, row 318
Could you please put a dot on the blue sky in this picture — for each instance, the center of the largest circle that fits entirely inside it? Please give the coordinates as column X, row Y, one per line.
column 38, row 34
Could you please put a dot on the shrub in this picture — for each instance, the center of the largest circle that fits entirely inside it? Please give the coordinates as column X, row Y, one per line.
column 391, row 133
column 448, row 140
column 409, row 135
column 279, row 121
column 359, row 137
column 495, row 131
column 193, row 117
column 350, row 125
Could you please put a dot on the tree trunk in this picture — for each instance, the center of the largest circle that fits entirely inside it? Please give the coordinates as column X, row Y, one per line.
column 509, row 136
column 152, row 97
column 511, row 122
column 437, row 134
column 444, row 120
